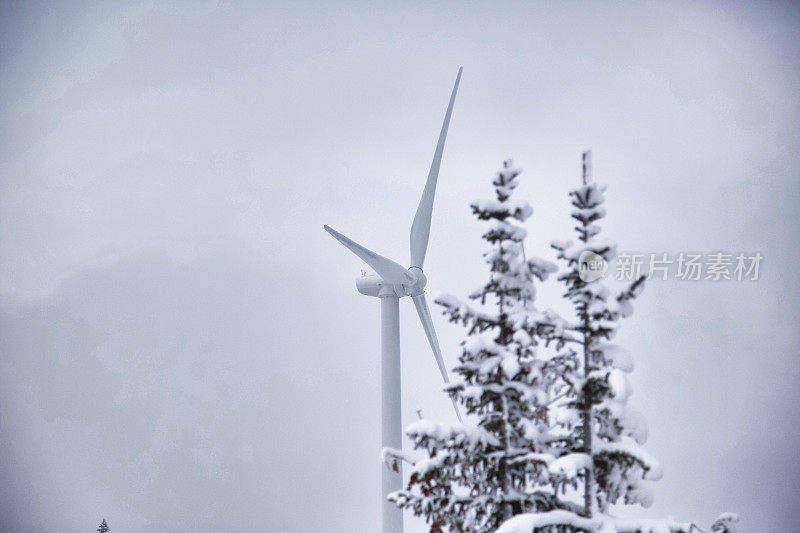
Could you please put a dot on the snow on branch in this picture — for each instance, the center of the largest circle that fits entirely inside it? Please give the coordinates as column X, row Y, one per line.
column 463, row 313
column 629, row 448
column 455, row 434
column 528, row 523
column 525, row 523
column 392, row 458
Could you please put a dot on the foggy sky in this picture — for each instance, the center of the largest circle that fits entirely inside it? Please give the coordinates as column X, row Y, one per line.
column 183, row 347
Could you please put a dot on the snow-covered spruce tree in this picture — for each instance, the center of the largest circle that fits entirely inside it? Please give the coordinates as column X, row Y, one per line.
column 474, row 478
column 103, row 527
column 595, row 415
column 596, row 436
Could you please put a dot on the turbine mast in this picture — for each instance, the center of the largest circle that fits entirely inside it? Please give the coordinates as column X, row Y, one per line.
column 391, row 428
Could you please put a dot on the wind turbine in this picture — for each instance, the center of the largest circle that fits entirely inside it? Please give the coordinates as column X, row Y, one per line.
column 392, row 282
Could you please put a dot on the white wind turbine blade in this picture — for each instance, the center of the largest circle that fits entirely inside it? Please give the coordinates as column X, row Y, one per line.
column 427, row 323
column 386, row 268
column 421, row 228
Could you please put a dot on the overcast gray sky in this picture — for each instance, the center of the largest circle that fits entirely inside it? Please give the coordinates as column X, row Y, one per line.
column 183, row 348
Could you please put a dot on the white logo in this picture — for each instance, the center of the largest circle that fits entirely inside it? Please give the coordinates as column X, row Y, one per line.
column 591, row 266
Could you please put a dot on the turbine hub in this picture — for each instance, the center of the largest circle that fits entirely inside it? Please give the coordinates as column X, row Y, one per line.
column 418, row 285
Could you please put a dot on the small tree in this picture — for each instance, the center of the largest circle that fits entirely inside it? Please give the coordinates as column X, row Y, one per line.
column 103, row 527
column 473, row 479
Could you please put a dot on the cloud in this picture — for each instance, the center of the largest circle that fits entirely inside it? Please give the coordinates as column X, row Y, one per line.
column 187, row 396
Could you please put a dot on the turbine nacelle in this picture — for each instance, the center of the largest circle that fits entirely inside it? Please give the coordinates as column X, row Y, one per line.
column 374, row 285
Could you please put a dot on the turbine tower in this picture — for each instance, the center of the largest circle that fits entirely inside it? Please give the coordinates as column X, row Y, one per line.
column 391, row 282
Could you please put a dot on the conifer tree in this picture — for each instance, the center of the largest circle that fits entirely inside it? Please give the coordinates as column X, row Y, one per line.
column 595, row 417
column 596, row 438
column 474, row 478
column 103, row 527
